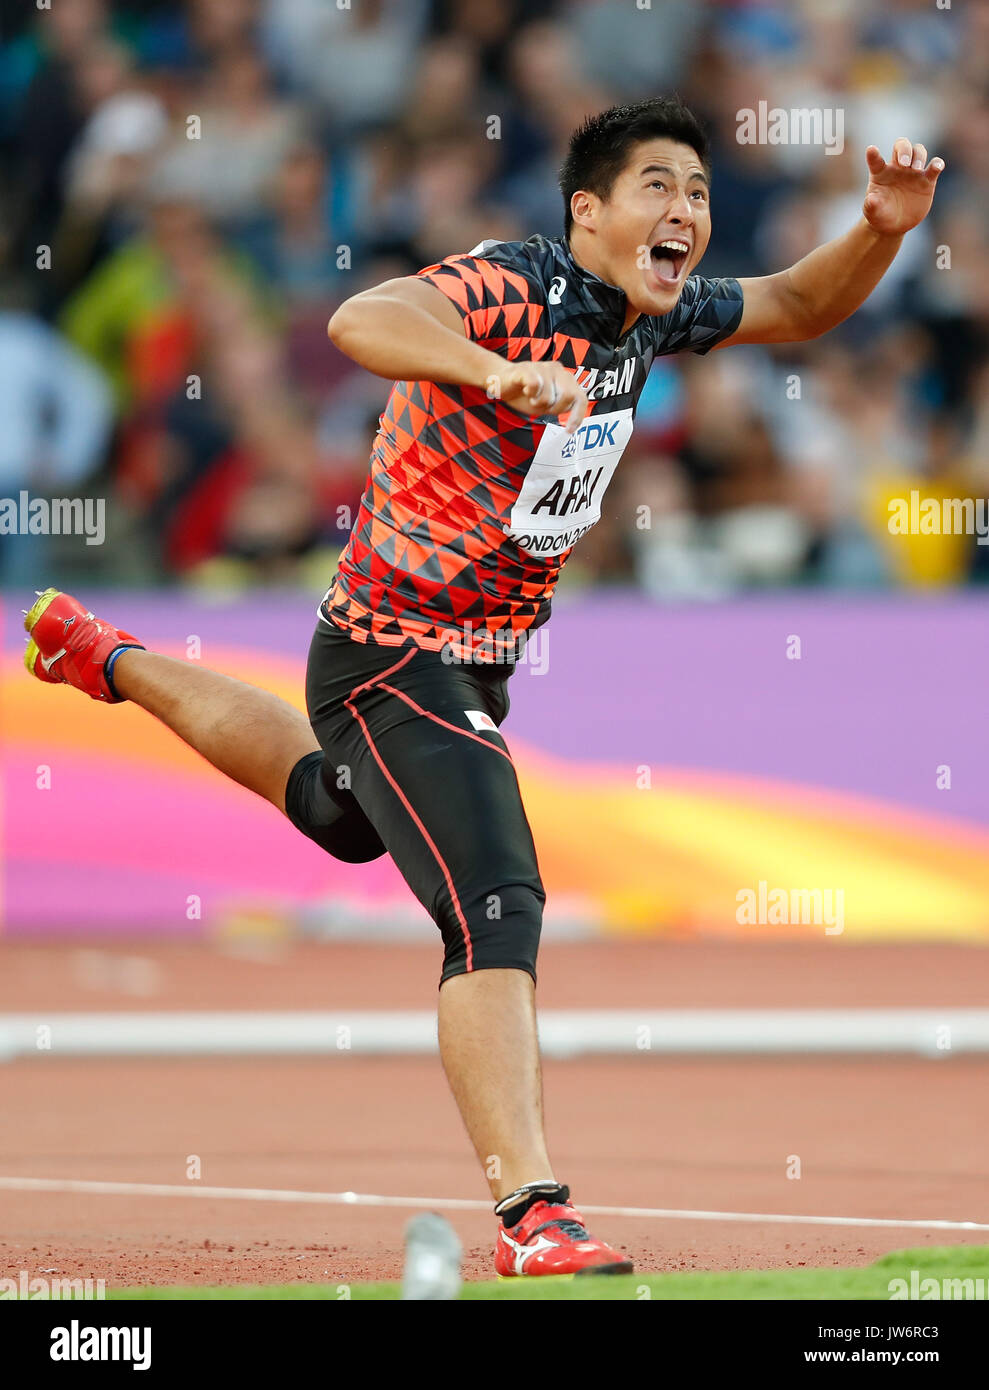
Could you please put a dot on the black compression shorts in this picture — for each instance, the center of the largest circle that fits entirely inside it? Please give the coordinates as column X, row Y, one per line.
column 413, row 765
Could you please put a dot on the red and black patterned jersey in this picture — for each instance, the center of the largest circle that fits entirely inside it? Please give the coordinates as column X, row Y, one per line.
column 471, row 507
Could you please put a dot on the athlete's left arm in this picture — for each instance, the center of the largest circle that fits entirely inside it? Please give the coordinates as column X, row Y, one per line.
column 820, row 291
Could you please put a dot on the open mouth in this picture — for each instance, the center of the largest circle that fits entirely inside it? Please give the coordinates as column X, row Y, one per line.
column 668, row 259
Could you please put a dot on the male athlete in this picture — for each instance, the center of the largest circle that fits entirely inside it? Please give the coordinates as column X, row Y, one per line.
column 516, row 368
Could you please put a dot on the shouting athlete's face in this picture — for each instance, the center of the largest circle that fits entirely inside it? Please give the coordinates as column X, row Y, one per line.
column 648, row 235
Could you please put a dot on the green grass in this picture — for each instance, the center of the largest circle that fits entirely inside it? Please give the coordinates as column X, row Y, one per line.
column 870, row 1282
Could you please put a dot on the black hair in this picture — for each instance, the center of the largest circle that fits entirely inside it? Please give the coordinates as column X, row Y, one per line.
column 599, row 148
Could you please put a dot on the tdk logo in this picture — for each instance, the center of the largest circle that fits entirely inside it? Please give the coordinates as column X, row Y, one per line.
column 595, row 434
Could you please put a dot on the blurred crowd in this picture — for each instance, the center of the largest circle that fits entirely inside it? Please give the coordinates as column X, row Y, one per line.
column 189, row 189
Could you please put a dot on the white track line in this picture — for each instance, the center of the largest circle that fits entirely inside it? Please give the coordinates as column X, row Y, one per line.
column 563, row 1033
column 367, row 1199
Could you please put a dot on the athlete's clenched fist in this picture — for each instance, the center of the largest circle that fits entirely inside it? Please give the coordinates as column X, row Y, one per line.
column 539, row 388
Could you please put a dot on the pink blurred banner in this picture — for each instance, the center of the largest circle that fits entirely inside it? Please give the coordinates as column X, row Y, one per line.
column 671, row 760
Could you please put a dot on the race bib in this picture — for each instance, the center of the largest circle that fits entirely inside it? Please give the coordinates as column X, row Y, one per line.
column 560, row 499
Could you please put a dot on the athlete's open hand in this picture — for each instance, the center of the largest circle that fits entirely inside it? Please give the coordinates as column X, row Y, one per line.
column 900, row 192
column 540, row 388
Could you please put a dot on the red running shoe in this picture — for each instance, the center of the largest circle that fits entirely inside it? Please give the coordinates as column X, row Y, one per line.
column 552, row 1239
column 68, row 645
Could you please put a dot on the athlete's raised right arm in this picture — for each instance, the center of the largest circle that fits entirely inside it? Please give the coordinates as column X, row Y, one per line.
column 407, row 330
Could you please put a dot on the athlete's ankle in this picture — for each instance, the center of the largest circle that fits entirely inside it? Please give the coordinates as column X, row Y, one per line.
column 112, row 671
column 514, row 1206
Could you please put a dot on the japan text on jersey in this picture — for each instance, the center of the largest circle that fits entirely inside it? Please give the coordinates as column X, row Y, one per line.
column 471, row 508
